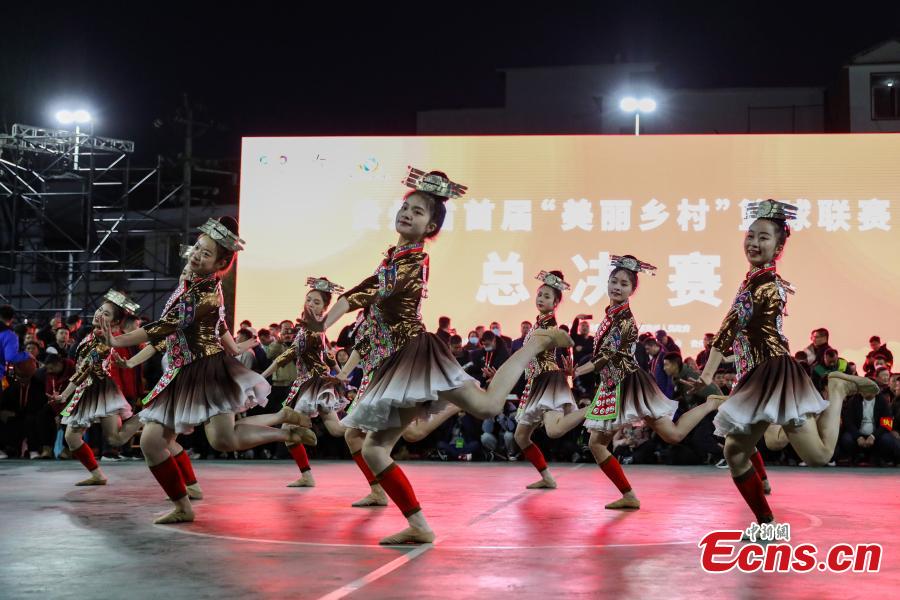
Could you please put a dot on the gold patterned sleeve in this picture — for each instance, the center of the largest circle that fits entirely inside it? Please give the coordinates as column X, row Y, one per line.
column 201, row 303
column 286, row 357
column 768, row 302
column 620, row 355
column 364, row 294
column 727, row 332
column 409, row 278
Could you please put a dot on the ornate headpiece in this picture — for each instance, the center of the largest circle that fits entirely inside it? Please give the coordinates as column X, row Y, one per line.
column 553, row 281
column 122, row 301
column 632, row 264
column 433, row 184
column 771, row 209
column 222, row 235
column 323, row 285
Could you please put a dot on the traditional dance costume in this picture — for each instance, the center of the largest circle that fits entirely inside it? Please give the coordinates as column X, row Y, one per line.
column 626, row 393
column 546, row 387
column 418, row 364
column 771, row 386
column 200, row 380
column 96, row 394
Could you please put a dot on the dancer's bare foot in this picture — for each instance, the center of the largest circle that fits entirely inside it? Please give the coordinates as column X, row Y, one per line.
column 178, row 515
column 410, row 535
column 855, row 384
column 715, row 401
column 767, row 489
column 375, row 498
column 306, row 480
column 542, row 484
column 292, row 417
column 194, row 492
column 623, row 503
column 92, row 480
column 302, row 435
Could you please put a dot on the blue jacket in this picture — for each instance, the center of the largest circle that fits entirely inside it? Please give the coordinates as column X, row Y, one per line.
column 9, row 346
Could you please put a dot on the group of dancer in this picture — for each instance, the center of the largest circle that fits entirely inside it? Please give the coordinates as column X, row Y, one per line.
column 412, row 383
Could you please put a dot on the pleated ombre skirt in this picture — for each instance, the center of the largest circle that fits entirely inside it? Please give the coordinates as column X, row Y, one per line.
column 549, row 391
column 207, row 387
column 413, row 376
column 318, row 394
column 100, row 399
column 777, row 391
column 641, row 400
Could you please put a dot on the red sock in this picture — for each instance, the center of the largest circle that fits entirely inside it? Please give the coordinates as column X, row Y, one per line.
column 613, row 470
column 397, row 486
column 750, row 486
column 759, row 465
column 366, row 471
column 300, row 457
column 535, row 456
column 86, row 456
column 187, row 469
column 169, row 478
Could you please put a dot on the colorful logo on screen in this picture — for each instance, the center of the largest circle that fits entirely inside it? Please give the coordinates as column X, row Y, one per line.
column 370, row 165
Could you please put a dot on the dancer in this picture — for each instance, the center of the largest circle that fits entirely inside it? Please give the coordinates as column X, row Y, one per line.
column 92, row 395
column 547, row 399
column 772, row 388
column 313, row 392
column 626, row 393
column 419, row 368
column 202, row 383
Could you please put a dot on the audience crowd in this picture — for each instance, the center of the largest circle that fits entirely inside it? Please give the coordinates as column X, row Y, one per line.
column 29, row 425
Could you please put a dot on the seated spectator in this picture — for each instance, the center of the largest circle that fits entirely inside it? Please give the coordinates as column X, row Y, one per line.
column 633, row 445
column 803, row 360
column 473, row 342
column 503, row 426
column 883, row 379
column 819, row 344
column 640, row 351
column 830, row 362
column 462, row 356
column 877, row 350
column 503, row 339
column 444, row 331
column 56, row 373
column 524, row 328
column 581, row 335
column 656, row 354
column 867, row 425
column 62, row 341
column 462, row 437
column 699, row 446
column 248, row 357
column 25, row 416
column 488, row 359
column 704, row 354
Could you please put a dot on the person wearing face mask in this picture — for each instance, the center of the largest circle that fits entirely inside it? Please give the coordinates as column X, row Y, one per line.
column 313, row 393
column 489, row 358
column 473, row 342
column 626, row 393
column 504, row 339
column 772, row 389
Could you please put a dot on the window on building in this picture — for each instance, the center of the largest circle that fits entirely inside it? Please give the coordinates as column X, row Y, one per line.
column 885, row 96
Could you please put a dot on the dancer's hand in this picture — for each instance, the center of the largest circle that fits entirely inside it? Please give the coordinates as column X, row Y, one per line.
column 120, row 362
column 106, row 331
column 584, row 369
column 694, row 386
column 568, row 366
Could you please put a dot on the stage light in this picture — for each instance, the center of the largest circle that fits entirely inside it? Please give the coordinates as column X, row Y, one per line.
column 65, row 117
column 646, row 105
column 82, row 116
column 628, row 104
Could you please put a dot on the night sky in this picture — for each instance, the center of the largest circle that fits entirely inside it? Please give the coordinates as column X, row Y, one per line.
column 263, row 68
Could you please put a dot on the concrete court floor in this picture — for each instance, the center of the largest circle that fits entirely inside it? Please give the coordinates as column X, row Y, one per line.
column 256, row 538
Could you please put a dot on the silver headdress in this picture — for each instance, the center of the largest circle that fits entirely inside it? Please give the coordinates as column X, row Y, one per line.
column 222, row 235
column 433, row 184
